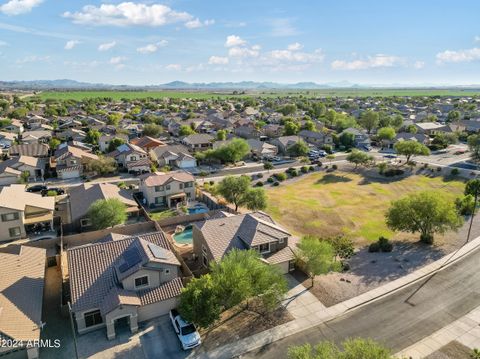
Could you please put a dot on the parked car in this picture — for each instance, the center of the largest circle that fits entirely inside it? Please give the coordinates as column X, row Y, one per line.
column 36, row 188
column 56, row 189
column 186, row 332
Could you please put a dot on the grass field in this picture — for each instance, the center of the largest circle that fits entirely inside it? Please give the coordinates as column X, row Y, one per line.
column 328, row 204
column 117, row 95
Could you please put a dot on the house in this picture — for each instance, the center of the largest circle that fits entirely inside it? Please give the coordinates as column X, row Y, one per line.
column 470, row 126
column 407, row 136
column 11, row 170
column 262, row 149
column 39, row 150
column 283, row 143
column 23, row 213
column 318, row 139
column 174, row 156
column 15, row 126
column 198, row 142
column 123, row 280
column 430, row 128
column 21, row 298
column 247, row 132
column 7, row 139
column 132, row 158
column 213, row 238
column 104, row 140
column 81, row 197
column 69, row 161
column 70, row 134
column 273, row 130
column 167, row 189
column 147, row 143
column 360, row 137
column 36, row 136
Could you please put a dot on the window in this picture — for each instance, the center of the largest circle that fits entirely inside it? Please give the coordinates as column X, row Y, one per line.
column 93, row 318
column 264, row 248
column 181, row 185
column 160, row 200
column 133, row 158
column 10, row 217
column 141, row 281
column 15, row 231
column 85, row 222
column 158, row 188
column 204, row 249
column 281, row 240
column 205, row 261
column 167, row 271
column 188, row 184
column 167, row 187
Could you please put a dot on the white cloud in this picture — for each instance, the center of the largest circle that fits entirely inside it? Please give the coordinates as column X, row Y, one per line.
column 467, row 55
column 218, row 60
column 295, row 46
column 253, row 51
column 17, row 7
column 151, row 48
column 107, row 46
column 33, row 58
column 130, row 13
column 296, row 56
column 371, row 62
column 117, row 60
column 418, row 65
column 71, row 44
column 174, row 67
column 234, row 40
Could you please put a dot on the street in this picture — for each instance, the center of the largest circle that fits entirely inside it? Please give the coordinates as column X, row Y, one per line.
column 400, row 319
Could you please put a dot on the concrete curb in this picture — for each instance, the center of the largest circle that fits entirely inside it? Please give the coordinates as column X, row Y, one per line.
column 298, row 325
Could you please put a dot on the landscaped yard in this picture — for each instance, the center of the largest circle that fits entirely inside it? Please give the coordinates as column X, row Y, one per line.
column 325, row 204
column 166, row 213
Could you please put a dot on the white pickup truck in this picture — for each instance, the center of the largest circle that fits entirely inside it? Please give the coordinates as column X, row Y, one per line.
column 186, row 332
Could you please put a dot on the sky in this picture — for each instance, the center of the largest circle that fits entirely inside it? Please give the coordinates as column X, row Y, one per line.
column 408, row 42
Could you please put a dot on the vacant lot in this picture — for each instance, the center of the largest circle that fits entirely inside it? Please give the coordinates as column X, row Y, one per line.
column 325, row 204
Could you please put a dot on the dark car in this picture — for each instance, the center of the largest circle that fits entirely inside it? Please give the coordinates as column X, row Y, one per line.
column 37, row 188
column 53, row 189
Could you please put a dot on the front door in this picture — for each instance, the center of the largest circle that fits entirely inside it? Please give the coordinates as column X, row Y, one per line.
column 122, row 325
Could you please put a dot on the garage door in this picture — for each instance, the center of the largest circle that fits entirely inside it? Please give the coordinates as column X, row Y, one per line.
column 70, row 174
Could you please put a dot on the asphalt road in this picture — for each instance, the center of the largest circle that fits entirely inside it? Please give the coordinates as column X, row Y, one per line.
column 401, row 319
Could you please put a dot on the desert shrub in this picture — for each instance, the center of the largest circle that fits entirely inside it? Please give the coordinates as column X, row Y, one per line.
column 270, row 180
column 304, row 169
column 385, row 245
column 259, row 184
column 455, row 172
column 281, row 176
column 374, row 247
column 276, row 184
column 311, row 168
column 294, row 173
column 334, row 167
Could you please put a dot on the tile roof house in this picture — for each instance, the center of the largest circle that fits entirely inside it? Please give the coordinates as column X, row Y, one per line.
column 104, row 140
column 30, row 149
column 316, row 138
column 213, row 238
column 132, row 158
column 198, row 141
column 132, row 278
column 262, row 149
column 81, row 197
column 21, row 297
column 283, row 143
column 23, row 213
column 173, row 156
column 7, row 139
column 11, row 170
column 147, row 143
column 69, row 161
column 167, row 189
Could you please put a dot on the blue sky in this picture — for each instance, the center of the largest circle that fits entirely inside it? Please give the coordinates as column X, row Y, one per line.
column 152, row 42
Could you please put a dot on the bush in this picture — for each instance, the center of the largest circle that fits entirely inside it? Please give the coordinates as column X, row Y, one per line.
column 455, row 172
column 294, row 173
column 52, row 193
column 311, row 168
column 270, row 180
column 319, row 164
column 439, row 169
column 259, row 184
column 391, row 172
column 276, row 184
column 334, row 167
column 281, row 176
column 385, row 245
column 211, row 183
column 304, row 169
column 374, row 247
column 260, row 175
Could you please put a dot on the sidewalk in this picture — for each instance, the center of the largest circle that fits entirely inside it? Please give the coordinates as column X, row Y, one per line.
column 313, row 319
column 465, row 330
column 300, row 302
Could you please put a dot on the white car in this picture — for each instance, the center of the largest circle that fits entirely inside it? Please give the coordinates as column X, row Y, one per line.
column 186, row 332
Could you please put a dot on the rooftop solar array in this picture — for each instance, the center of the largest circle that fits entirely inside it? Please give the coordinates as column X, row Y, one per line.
column 158, row 252
column 131, row 258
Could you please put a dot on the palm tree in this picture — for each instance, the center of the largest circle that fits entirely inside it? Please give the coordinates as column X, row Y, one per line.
column 472, row 188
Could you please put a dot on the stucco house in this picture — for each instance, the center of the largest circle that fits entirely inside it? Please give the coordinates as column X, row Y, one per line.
column 175, row 156
column 316, row 138
column 122, row 281
column 69, row 161
column 21, row 297
column 213, row 238
column 262, row 149
column 198, row 142
column 11, row 170
column 21, row 212
column 283, row 143
column 132, row 158
column 167, row 189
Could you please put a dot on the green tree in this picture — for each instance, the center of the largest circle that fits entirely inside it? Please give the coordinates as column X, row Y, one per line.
column 268, row 166
column 199, row 302
column 317, row 257
column 102, row 166
column 472, row 189
column 221, row 135
column 54, row 143
column 24, row 177
column 473, row 142
column 426, row 212
column 412, row 129
column 231, row 152
column 114, row 144
column 152, row 130
column 369, row 120
column 238, row 191
column 359, row 158
column 386, row 134
column 453, row 116
column 185, row 130
column 298, row 149
column 113, row 119
column 291, row 128
column 92, row 137
column 342, row 246
column 347, row 140
column 104, row 213
column 411, row 148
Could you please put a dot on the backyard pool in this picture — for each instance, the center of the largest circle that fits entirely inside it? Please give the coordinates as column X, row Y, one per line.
column 195, row 210
column 185, row 236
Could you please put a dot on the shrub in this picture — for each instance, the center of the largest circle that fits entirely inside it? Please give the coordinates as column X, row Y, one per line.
column 304, row 169
column 289, row 170
column 294, row 173
column 374, row 247
column 281, row 176
column 51, row 193
column 311, row 168
column 270, row 180
column 439, row 169
column 122, row 184
column 211, row 183
column 391, row 172
column 319, row 164
column 455, row 172
column 260, row 175
column 259, row 184
column 385, row 245
column 334, row 167
column 276, row 184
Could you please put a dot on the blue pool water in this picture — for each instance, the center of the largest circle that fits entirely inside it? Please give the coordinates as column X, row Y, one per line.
column 196, row 210
column 184, row 237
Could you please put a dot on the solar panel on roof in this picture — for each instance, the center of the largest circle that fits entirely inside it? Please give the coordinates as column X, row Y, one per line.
column 131, row 257
column 123, row 268
column 158, row 252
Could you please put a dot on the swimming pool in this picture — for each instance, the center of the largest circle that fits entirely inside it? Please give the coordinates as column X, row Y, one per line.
column 184, row 237
column 195, row 210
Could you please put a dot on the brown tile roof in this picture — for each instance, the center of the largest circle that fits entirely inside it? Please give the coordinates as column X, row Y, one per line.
column 32, row 149
column 21, row 293
column 146, row 141
column 93, row 272
column 15, row 197
column 159, row 179
column 283, row 255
